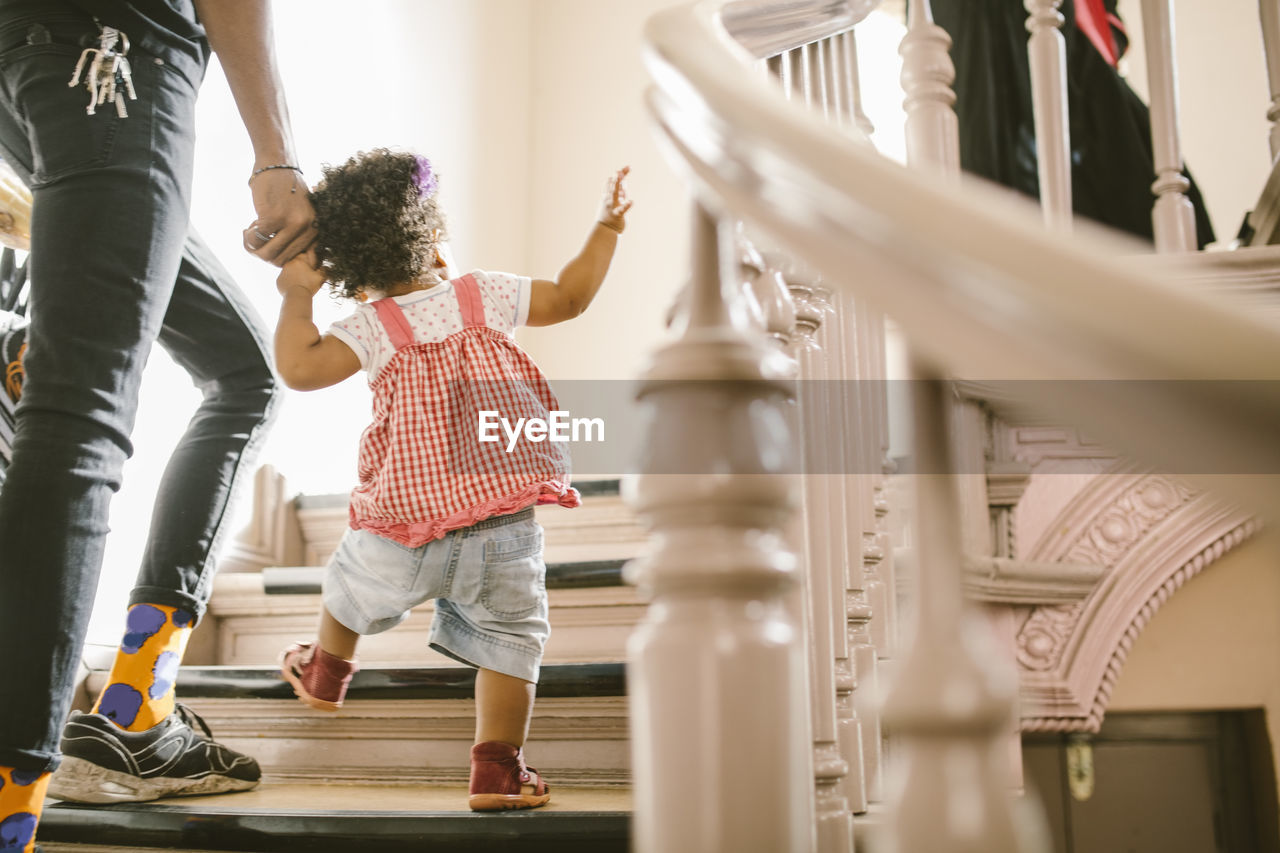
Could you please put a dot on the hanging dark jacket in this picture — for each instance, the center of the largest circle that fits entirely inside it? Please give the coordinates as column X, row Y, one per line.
column 1111, row 161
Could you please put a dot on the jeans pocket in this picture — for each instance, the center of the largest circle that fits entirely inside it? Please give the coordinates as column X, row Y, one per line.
column 64, row 138
column 514, row 582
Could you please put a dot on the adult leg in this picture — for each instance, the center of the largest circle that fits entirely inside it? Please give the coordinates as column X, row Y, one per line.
column 214, row 334
column 108, row 223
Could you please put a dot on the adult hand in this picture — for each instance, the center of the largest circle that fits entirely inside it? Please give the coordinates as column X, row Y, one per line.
column 285, row 223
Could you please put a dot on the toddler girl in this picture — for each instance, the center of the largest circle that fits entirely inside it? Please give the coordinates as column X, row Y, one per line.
column 437, row 513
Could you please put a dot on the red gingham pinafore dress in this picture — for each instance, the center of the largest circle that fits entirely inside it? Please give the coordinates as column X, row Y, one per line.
column 422, row 469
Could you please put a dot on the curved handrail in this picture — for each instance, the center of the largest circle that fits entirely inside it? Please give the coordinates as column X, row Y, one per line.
column 767, row 27
column 978, row 285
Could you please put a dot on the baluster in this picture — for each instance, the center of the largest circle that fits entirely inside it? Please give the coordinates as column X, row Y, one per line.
column 795, row 75
column 866, row 330
column 791, row 74
column 848, row 53
column 716, row 670
column 863, row 614
column 838, row 95
column 879, row 552
column 774, row 64
column 1047, row 53
column 849, row 605
column 951, row 794
column 831, row 769
column 1269, row 12
column 951, row 706
column 815, row 70
column 884, row 470
column 771, row 293
column 1173, row 217
column 932, row 133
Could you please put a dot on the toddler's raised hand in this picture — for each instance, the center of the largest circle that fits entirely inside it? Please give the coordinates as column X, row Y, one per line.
column 616, row 204
column 304, row 272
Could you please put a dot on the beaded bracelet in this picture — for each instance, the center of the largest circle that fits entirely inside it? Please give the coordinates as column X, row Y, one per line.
column 258, row 172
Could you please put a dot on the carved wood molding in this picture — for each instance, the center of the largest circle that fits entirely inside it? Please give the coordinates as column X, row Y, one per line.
column 1151, row 534
column 997, row 580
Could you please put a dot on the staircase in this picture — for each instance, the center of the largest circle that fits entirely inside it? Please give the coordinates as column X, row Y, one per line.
column 389, row 770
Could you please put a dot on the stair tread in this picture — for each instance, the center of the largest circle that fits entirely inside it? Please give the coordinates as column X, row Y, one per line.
column 278, row 816
column 447, row 682
column 581, row 574
column 292, row 798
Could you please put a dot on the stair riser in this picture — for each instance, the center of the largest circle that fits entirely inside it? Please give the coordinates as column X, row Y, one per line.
column 251, row 628
column 576, row 742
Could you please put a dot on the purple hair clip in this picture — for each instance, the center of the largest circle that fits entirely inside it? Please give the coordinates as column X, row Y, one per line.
column 423, row 176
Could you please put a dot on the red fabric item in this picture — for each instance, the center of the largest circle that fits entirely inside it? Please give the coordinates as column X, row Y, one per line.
column 469, row 302
column 394, row 321
column 1092, row 20
column 318, row 678
column 501, row 780
column 422, row 469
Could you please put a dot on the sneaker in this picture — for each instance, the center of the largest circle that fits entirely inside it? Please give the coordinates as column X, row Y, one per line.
column 105, row 764
column 500, row 779
column 318, row 678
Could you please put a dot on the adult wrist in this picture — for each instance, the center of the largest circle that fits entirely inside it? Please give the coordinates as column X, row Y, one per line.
column 272, row 167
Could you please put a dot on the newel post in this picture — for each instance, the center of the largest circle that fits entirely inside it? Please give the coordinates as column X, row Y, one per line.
column 716, row 669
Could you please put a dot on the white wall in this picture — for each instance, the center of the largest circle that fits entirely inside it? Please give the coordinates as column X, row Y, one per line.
column 588, row 120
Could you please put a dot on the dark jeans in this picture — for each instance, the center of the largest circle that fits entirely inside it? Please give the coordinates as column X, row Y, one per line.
column 114, row 267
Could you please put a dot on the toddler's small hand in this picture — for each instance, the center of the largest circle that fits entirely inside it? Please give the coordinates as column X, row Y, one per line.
column 616, row 204
column 303, row 271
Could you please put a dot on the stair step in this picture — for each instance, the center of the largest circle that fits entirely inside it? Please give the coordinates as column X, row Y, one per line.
column 444, row 682
column 582, row 574
column 248, row 626
column 412, row 725
column 324, row 818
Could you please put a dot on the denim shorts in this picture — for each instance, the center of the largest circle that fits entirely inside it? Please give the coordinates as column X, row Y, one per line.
column 488, row 582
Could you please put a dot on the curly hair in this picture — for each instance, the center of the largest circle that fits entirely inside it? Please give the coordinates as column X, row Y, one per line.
column 377, row 222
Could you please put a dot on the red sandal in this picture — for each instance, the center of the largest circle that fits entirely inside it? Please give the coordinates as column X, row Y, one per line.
column 318, row 678
column 500, row 779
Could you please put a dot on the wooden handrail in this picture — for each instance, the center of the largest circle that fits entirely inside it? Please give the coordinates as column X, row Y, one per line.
column 768, row 27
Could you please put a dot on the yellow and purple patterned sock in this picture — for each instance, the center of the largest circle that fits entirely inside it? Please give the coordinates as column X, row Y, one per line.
column 139, row 692
column 21, row 800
